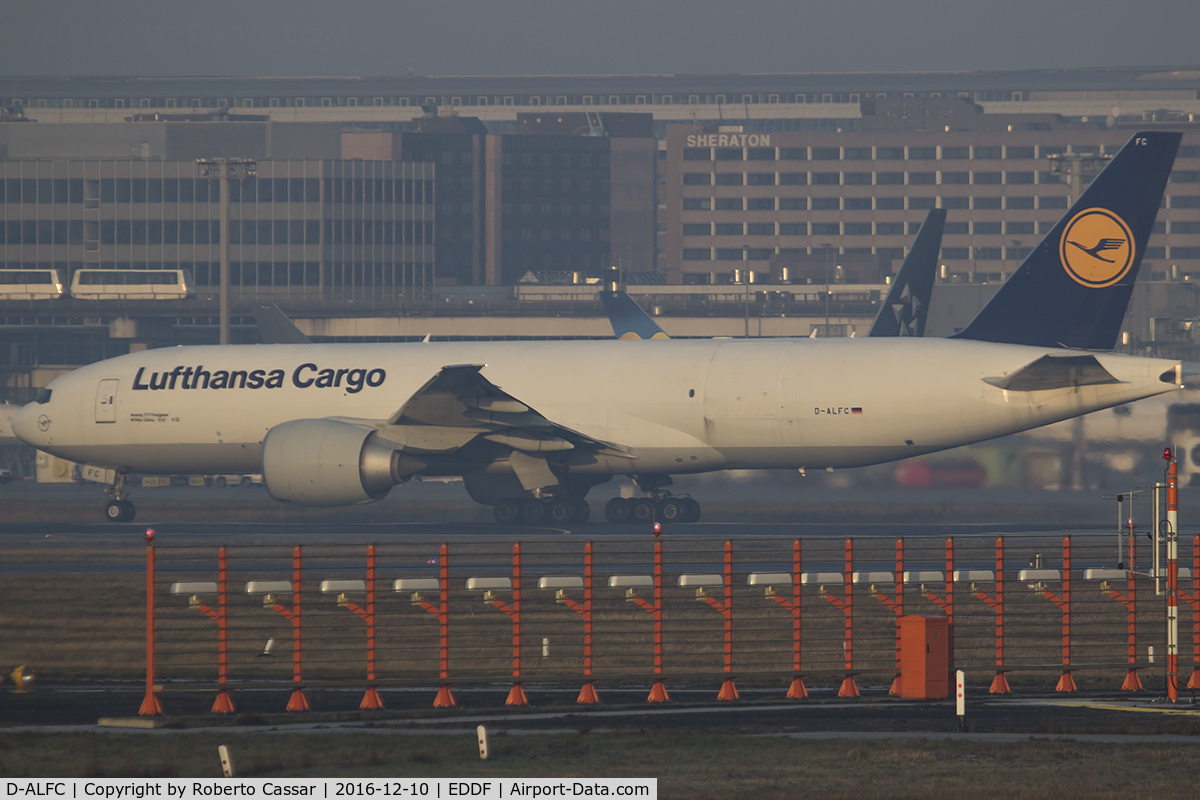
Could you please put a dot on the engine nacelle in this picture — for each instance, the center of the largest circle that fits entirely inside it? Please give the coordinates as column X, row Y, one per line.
column 323, row 462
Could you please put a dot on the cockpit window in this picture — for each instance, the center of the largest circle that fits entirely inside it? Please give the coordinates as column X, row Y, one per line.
column 43, row 397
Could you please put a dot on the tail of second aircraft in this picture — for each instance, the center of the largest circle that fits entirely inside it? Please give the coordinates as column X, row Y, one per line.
column 906, row 306
column 1073, row 289
column 628, row 319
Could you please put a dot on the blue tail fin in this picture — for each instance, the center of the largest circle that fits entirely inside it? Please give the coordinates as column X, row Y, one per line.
column 628, row 319
column 906, row 306
column 1073, row 289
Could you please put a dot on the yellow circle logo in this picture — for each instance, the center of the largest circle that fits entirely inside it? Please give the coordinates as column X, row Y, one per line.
column 1096, row 248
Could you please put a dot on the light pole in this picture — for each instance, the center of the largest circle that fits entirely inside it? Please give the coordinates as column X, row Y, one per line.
column 746, row 289
column 827, row 248
column 224, row 169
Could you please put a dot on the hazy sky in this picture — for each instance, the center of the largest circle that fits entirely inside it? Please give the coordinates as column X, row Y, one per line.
column 474, row 37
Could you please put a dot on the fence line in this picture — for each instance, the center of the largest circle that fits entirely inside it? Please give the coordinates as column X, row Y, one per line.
column 754, row 585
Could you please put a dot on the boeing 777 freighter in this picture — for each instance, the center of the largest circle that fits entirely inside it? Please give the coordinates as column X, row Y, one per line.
column 532, row 426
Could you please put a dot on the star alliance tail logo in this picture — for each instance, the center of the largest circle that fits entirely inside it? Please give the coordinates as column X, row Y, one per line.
column 1096, row 248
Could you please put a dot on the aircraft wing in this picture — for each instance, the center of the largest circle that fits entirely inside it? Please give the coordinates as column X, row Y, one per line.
column 458, row 404
column 1055, row 372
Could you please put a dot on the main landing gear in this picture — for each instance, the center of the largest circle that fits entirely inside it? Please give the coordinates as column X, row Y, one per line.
column 664, row 508
column 550, row 511
column 119, row 509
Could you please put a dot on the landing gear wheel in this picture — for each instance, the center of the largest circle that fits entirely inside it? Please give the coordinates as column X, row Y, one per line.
column 581, row 510
column 691, row 510
column 671, row 510
column 643, row 510
column 532, row 511
column 507, row 512
column 560, row 512
column 617, row 510
column 120, row 511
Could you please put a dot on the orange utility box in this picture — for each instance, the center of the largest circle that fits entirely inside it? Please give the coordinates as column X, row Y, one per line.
column 925, row 657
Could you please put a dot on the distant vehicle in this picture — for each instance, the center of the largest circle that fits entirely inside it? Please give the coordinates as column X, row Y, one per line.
column 957, row 474
column 131, row 284
column 238, row 480
column 5, row 476
column 30, row 284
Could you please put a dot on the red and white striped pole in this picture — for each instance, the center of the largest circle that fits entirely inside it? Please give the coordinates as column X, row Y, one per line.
column 1172, row 576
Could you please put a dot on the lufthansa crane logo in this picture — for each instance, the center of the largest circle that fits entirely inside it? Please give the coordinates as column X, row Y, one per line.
column 1096, row 248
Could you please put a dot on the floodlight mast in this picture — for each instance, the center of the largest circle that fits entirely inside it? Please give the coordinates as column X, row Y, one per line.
column 224, row 169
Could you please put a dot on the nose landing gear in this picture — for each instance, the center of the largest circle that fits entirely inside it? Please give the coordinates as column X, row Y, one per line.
column 119, row 509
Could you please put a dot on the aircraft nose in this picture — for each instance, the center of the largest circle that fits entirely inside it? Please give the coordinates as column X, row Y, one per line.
column 25, row 424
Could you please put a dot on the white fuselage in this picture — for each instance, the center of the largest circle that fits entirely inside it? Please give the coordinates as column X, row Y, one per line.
column 676, row 406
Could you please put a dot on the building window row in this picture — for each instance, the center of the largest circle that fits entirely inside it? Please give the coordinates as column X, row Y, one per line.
column 943, row 153
column 391, row 100
column 188, row 190
column 880, row 228
column 545, row 186
column 186, row 232
column 947, row 253
column 945, row 178
column 1058, row 202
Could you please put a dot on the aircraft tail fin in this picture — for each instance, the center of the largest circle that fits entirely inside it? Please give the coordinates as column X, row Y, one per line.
column 628, row 319
column 906, row 306
column 1073, row 289
column 275, row 328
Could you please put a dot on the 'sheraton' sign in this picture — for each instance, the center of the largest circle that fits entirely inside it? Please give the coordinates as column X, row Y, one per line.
column 729, row 140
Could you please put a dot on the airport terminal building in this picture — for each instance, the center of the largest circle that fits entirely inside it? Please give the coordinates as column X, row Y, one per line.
column 480, row 207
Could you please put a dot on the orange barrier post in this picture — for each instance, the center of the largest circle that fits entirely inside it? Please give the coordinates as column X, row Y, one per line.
column 1193, row 599
column 298, row 701
column 587, row 695
column 150, row 705
column 896, row 604
column 946, row 604
column 999, row 683
column 223, row 704
column 728, row 689
column 1132, row 682
column 516, row 695
column 797, row 690
column 371, row 699
column 441, row 612
column 846, row 603
column 658, row 692
column 1066, row 683
column 1172, row 578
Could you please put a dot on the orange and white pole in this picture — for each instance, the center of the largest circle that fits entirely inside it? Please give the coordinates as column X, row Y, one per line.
column 150, row 705
column 1172, row 577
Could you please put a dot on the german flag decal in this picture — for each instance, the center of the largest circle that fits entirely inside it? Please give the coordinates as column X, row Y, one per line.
column 855, row 410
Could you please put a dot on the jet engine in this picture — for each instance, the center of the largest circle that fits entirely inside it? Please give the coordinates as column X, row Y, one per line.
column 324, row 462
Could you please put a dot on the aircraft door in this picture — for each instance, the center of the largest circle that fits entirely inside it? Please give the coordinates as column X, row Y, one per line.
column 106, row 400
